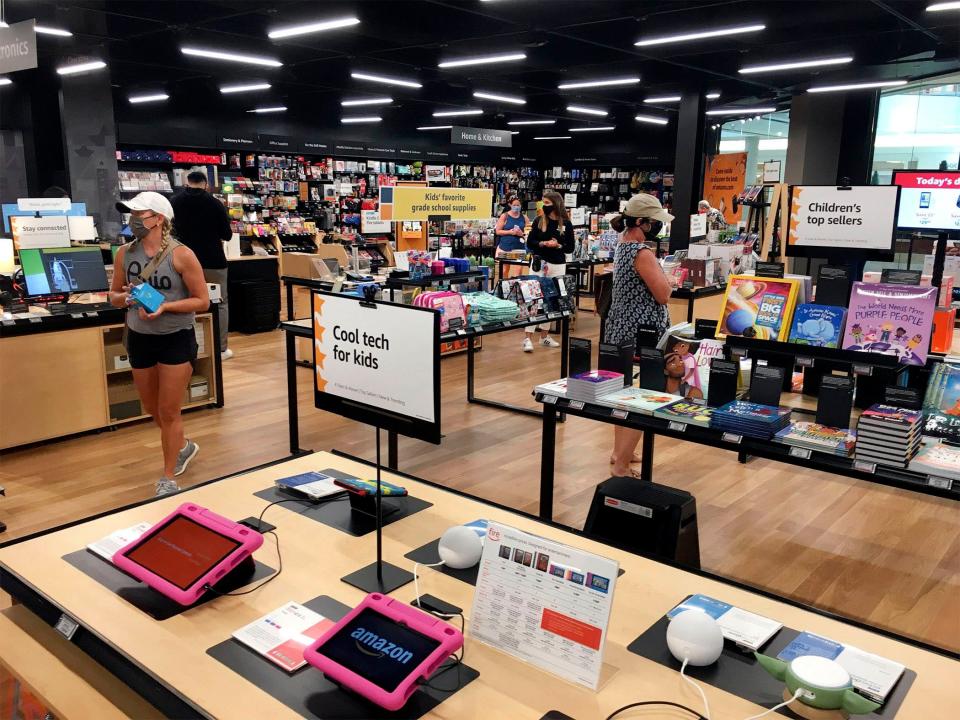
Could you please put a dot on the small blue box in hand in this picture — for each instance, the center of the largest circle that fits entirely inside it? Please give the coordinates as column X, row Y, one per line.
column 147, row 297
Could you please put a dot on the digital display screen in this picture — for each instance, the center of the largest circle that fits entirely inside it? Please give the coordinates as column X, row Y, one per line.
column 47, row 271
column 928, row 200
column 378, row 649
column 182, row 551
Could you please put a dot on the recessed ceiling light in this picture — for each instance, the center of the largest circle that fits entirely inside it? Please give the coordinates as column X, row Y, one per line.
column 231, row 56
column 361, row 119
column 741, row 111
column 604, row 128
column 713, row 96
column 152, row 97
column 554, row 137
column 941, row 6
column 483, row 60
column 313, row 27
column 5, row 81
column 795, row 65
column 456, row 113
column 531, row 122
column 44, row 30
column 271, row 109
column 250, row 87
column 502, row 98
column 664, row 99
column 686, row 37
column 598, row 83
column 586, row 110
column 435, row 127
column 81, row 67
column 367, row 101
column 857, row 86
column 652, row 119
column 385, row 80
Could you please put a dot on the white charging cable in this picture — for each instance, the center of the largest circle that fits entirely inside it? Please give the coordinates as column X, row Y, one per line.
column 416, row 578
column 797, row 694
column 703, row 695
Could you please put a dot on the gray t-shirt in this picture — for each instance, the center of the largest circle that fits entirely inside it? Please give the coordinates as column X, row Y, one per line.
column 165, row 280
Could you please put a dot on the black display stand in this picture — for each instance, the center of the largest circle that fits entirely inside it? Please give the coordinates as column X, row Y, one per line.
column 738, row 672
column 380, row 576
column 145, row 598
column 308, row 692
column 429, row 554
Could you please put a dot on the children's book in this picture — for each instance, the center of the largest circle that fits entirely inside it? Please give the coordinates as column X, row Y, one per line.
column 818, row 325
column 685, row 412
column 891, row 319
column 757, row 307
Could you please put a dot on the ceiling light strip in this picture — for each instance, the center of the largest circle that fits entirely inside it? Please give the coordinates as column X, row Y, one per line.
column 702, row 35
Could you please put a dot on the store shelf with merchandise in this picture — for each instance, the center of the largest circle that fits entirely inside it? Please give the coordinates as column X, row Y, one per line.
column 602, row 188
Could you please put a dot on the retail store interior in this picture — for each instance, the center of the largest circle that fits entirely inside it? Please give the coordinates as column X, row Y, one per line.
column 732, row 371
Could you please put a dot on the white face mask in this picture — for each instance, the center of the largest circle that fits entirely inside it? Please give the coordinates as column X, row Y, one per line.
column 514, row 210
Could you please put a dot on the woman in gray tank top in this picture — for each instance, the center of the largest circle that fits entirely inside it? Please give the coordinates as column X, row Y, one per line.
column 161, row 345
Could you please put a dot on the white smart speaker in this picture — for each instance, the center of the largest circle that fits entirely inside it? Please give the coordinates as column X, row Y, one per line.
column 460, row 547
column 695, row 637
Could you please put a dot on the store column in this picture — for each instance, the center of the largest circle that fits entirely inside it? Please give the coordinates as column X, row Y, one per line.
column 90, row 145
column 688, row 168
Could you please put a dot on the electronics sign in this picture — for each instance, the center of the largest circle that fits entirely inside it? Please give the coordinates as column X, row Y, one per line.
column 929, row 200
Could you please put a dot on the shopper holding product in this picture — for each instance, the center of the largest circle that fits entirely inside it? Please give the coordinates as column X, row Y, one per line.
column 550, row 241
column 640, row 295
column 510, row 227
column 161, row 344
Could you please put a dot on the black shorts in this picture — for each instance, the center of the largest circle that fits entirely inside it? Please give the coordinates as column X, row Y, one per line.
column 145, row 351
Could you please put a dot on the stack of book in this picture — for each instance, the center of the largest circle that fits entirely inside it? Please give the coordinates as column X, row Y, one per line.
column 888, row 435
column 819, row 438
column 591, row 385
column 940, row 460
column 557, row 388
column 750, row 419
column 684, row 411
column 637, row 400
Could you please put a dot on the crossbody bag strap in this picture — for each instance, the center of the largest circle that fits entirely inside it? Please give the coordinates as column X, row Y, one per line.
column 152, row 266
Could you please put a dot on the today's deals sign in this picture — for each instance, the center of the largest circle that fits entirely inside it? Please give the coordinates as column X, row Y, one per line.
column 858, row 218
column 382, row 359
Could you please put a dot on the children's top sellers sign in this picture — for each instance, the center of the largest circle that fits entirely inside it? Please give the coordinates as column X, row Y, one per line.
column 378, row 363
column 828, row 218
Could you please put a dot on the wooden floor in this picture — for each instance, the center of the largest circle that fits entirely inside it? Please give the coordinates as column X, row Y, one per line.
column 885, row 556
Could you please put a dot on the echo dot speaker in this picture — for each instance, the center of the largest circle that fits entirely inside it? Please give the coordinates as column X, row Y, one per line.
column 460, row 547
column 695, row 637
column 822, row 683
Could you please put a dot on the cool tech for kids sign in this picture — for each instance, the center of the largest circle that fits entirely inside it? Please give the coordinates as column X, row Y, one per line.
column 378, row 363
column 831, row 218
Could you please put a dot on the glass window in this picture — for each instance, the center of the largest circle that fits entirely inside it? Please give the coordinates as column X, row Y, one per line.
column 763, row 138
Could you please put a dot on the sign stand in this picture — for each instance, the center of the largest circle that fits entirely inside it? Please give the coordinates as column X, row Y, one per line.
column 779, row 210
column 379, row 576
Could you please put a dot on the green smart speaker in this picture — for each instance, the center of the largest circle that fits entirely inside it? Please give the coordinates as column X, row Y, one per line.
column 822, row 683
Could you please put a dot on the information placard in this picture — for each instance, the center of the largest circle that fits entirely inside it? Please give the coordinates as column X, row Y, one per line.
column 544, row 602
column 406, row 202
column 41, row 232
column 928, row 199
column 378, row 363
column 370, row 222
column 829, row 220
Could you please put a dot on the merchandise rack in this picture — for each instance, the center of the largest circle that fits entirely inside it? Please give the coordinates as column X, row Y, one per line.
column 743, row 445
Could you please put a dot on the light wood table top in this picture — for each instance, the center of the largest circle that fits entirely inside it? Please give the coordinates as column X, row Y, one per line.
column 316, row 556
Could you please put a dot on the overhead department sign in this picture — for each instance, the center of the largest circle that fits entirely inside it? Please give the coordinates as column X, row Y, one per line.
column 18, row 47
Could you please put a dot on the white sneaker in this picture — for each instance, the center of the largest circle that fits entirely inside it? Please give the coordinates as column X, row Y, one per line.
column 226, row 354
column 527, row 345
column 549, row 342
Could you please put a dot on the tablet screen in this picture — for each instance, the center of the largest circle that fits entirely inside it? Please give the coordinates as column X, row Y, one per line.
column 182, row 551
column 379, row 649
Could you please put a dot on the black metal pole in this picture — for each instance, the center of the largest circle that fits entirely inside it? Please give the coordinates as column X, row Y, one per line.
column 548, row 447
column 393, row 450
column 646, row 457
column 293, row 419
column 379, row 517
column 289, row 287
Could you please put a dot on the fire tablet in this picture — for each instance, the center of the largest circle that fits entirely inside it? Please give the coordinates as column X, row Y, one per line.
column 382, row 648
column 187, row 550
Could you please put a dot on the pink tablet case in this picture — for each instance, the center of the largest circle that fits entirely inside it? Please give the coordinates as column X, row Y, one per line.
column 249, row 540
column 449, row 637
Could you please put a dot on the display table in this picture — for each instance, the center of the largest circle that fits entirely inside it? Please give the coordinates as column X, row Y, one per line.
column 167, row 662
column 64, row 374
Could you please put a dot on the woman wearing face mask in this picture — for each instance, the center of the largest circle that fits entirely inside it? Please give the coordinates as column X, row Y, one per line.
column 510, row 227
column 161, row 345
column 551, row 239
column 640, row 295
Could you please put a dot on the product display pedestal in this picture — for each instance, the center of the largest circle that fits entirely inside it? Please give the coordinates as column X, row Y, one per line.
column 368, row 579
column 810, row 713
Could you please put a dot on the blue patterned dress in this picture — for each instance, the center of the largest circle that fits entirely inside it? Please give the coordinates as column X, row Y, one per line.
column 632, row 303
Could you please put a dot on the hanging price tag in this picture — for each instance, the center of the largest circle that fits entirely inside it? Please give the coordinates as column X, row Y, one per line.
column 799, row 452
column 550, row 399
column 738, row 352
column 804, row 361
column 76, row 316
column 622, row 414
column 677, row 426
column 941, row 483
column 576, row 404
column 864, row 466
column 67, row 626
column 859, row 369
column 732, row 438
column 461, row 332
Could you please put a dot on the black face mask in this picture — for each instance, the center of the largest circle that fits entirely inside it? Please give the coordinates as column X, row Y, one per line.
column 548, row 210
column 655, row 227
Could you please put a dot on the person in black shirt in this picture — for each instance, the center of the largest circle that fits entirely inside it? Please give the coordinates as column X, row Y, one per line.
column 550, row 239
column 201, row 223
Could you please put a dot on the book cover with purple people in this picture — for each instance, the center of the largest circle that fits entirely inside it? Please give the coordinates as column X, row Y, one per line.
column 891, row 320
